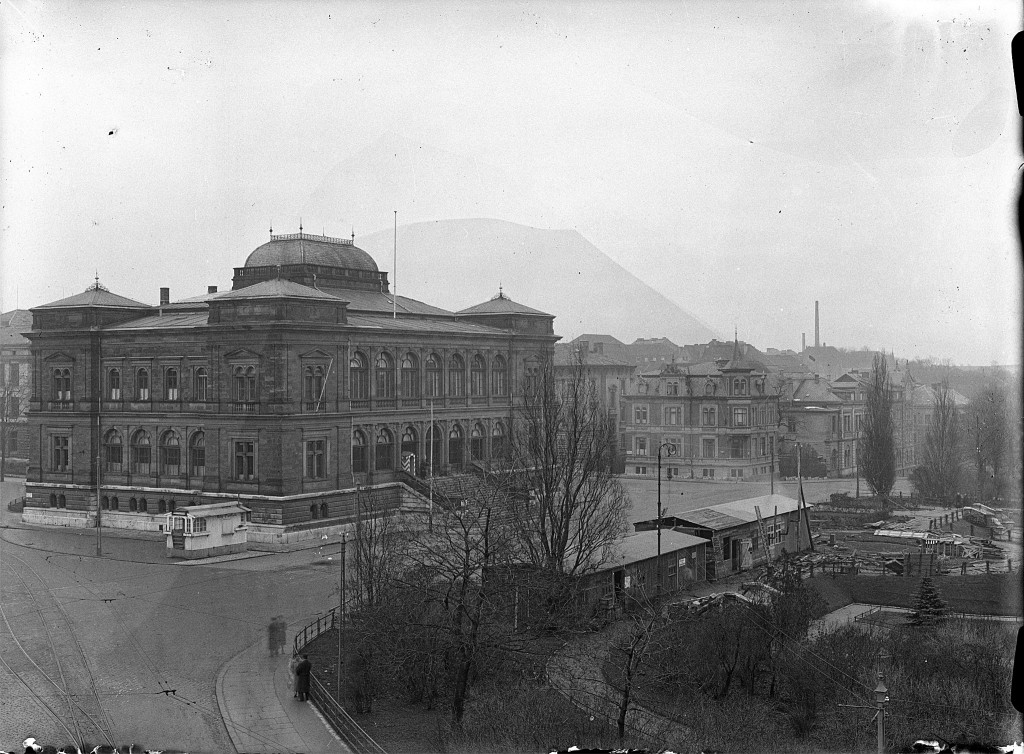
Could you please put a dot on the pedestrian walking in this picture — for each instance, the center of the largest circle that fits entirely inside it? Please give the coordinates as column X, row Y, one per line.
column 272, row 636
column 280, row 633
column 302, row 671
column 292, row 664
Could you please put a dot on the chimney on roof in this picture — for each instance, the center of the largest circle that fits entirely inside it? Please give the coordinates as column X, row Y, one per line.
column 211, row 289
column 803, row 342
column 165, row 296
column 815, row 324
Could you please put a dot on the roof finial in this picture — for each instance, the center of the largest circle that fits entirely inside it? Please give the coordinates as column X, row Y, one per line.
column 97, row 279
column 271, row 226
column 300, row 225
column 353, row 232
column 501, row 291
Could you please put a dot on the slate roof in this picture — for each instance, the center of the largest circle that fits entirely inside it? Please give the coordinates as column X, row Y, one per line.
column 275, row 288
column 94, row 296
column 739, row 512
column 387, row 322
column 381, row 303
column 12, row 325
column 306, row 248
column 502, row 304
column 564, row 356
column 809, row 390
column 164, row 321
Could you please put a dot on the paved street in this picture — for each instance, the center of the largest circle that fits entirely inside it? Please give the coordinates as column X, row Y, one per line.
column 147, row 628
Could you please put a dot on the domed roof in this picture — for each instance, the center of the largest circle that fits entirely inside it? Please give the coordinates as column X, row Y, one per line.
column 305, row 248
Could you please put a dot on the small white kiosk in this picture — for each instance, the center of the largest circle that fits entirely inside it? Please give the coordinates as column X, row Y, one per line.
column 202, row 531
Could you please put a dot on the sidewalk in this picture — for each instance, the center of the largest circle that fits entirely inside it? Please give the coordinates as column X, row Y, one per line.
column 254, row 692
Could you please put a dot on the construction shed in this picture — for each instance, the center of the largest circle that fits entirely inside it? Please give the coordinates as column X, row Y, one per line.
column 747, row 533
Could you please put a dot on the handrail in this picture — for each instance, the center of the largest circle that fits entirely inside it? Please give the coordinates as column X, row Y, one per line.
column 357, row 739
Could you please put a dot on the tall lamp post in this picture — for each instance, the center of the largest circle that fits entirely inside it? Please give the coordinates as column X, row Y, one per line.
column 670, row 449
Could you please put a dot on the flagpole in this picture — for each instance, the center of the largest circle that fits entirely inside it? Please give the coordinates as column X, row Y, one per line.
column 394, row 283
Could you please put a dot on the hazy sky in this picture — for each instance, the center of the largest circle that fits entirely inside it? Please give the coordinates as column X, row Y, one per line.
column 744, row 158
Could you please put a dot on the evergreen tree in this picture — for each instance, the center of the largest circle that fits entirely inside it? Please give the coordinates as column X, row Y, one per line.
column 929, row 607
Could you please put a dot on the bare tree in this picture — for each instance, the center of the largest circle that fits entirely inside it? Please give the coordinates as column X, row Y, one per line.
column 989, row 423
column 878, row 444
column 941, row 471
column 562, row 449
column 13, row 397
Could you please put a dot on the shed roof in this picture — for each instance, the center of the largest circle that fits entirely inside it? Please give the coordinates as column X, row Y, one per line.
column 643, row 545
column 739, row 512
column 210, row 510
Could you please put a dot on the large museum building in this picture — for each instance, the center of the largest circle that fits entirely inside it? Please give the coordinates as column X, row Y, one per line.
column 305, row 386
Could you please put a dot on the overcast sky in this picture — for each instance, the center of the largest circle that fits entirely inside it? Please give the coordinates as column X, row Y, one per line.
column 744, row 158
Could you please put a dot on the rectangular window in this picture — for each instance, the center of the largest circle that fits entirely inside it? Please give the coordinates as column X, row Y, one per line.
column 846, row 423
column 673, row 388
column 60, row 453
column 12, row 441
column 641, row 470
column 673, row 415
column 200, row 384
column 639, row 414
column 764, row 446
column 708, row 473
column 641, row 446
column 15, row 374
column 13, row 406
column 708, row 417
column 708, row 448
column 739, row 417
column 316, row 455
column 245, row 460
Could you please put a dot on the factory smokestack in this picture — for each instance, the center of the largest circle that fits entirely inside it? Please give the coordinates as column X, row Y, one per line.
column 816, row 332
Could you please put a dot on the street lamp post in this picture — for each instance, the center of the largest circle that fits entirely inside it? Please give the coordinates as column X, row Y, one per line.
column 671, row 451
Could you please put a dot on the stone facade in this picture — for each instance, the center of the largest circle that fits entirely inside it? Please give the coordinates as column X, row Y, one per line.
column 720, row 419
column 15, row 379
column 278, row 394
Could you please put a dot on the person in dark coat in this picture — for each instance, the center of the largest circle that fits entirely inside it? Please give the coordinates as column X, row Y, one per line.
column 302, row 671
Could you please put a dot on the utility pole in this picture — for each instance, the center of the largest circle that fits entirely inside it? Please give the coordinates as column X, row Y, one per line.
column 671, row 451
column 341, row 608
column 881, row 696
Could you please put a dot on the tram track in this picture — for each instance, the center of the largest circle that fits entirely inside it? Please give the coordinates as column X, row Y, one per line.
column 47, row 656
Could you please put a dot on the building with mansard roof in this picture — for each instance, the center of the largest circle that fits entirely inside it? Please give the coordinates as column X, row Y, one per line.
column 714, row 420
column 307, row 382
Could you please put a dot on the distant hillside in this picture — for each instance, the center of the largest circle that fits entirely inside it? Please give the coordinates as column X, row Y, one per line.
column 458, row 263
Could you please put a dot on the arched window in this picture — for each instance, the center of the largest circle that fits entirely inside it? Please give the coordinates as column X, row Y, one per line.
column 245, row 384
column 476, row 442
column 113, row 450
column 385, row 383
column 62, row 384
column 456, row 446
column 142, row 384
column 313, row 510
column 114, row 384
column 358, row 452
column 434, row 447
column 170, row 454
column 385, row 455
column 171, row 505
column 359, row 377
column 171, row 383
column 312, row 384
column 197, row 454
column 143, row 505
column 499, row 447
column 53, row 499
column 62, row 502
column 410, row 376
column 133, row 505
column 456, row 375
column 435, row 378
column 114, row 503
column 499, row 376
column 324, row 510
column 739, row 386
column 105, row 503
column 409, row 445
column 161, row 506
column 201, row 384
column 141, row 453
column 478, row 376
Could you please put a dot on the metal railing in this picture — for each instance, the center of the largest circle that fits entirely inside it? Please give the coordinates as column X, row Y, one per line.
column 350, row 732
